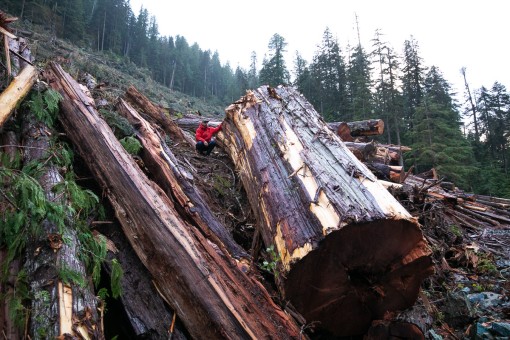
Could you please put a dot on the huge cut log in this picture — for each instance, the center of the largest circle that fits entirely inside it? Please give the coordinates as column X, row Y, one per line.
column 349, row 251
column 211, row 295
column 16, row 92
column 172, row 178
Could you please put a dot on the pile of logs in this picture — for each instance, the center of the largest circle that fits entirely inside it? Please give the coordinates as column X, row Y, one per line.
column 347, row 251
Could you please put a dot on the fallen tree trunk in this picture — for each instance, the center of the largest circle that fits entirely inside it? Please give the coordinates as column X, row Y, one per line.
column 145, row 105
column 370, row 127
column 149, row 316
column 9, row 149
column 60, row 306
column 348, row 251
column 211, row 295
column 16, row 92
column 164, row 167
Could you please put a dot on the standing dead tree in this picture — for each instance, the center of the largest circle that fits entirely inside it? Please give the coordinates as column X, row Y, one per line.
column 348, row 251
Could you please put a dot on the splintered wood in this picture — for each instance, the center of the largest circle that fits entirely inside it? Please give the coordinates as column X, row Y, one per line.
column 349, row 251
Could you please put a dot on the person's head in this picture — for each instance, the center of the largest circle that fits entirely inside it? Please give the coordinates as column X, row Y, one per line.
column 205, row 122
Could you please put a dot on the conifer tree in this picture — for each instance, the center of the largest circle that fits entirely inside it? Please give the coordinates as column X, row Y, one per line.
column 328, row 70
column 359, row 85
column 274, row 72
column 253, row 79
column 303, row 78
column 388, row 98
column 437, row 139
column 412, row 83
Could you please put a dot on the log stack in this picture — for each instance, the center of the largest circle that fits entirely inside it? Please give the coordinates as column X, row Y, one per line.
column 211, row 295
column 348, row 251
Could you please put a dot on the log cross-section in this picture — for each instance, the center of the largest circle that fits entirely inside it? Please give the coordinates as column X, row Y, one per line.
column 211, row 295
column 349, row 251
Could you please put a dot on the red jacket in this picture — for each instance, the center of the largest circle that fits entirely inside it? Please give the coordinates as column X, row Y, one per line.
column 204, row 133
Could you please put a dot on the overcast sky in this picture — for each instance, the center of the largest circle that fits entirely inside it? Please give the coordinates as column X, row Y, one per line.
column 450, row 33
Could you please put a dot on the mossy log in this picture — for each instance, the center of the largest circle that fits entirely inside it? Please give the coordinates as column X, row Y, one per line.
column 213, row 298
column 349, row 252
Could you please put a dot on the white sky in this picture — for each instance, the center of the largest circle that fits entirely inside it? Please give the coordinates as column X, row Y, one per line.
column 450, row 33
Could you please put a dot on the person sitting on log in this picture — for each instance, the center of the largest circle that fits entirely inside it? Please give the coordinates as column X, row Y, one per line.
column 205, row 137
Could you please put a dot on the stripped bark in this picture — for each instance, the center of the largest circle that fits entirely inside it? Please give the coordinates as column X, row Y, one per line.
column 211, row 295
column 177, row 183
column 349, row 251
column 16, row 92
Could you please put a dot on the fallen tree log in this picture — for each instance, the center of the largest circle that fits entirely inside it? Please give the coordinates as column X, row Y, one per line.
column 211, row 295
column 70, row 308
column 147, row 312
column 348, row 251
column 146, row 106
column 370, row 127
column 16, row 92
column 164, row 167
column 9, row 149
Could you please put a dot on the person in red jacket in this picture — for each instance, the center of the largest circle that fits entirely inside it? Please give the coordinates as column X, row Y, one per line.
column 204, row 137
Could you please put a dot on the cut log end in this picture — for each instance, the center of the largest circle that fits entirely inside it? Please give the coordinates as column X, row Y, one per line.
column 380, row 267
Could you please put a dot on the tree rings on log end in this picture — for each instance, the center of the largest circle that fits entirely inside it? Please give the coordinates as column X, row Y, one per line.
column 358, row 273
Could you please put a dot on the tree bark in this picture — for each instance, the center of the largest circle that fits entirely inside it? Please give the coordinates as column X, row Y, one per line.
column 148, row 315
column 71, row 308
column 9, row 149
column 348, row 251
column 176, row 183
column 16, row 92
column 211, row 295
column 147, row 107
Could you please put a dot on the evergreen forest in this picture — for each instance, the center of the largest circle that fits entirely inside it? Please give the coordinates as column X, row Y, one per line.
column 466, row 141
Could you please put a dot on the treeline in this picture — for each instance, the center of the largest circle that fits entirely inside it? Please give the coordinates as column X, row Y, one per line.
column 467, row 143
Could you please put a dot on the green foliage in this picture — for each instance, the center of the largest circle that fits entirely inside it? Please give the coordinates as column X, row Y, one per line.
column 486, row 265
column 270, row 264
column 94, row 251
column 70, row 276
column 455, row 230
column 116, row 277
column 119, row 125
column 221, row 184
column 44, row 105
column 20, row 293
column 131, row 144
column 274, row 72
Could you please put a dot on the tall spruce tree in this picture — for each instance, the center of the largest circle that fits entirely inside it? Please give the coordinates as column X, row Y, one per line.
column 359, row 84
column 274, row 71
column 438, row 141
column 328, row 70
column 253, row 78
column 412, row 85
column 387, row 97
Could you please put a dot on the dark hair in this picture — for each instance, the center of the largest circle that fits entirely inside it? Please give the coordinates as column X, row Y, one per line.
column 204, row 122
